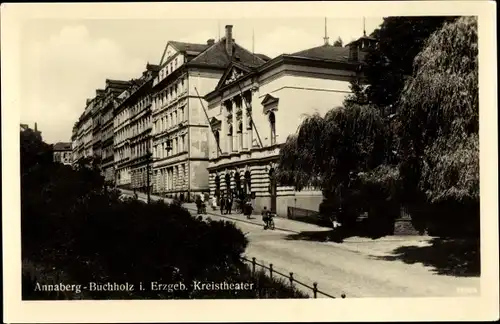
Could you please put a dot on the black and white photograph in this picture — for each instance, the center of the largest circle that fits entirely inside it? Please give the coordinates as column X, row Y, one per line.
column 213, row 154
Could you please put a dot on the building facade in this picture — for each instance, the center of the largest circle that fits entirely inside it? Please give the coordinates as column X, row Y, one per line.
column 97, row 124
column 180, row 121
column 113, row 89
column 132, row 128
column 121, row 140
column 62, row 153
column 252, row 111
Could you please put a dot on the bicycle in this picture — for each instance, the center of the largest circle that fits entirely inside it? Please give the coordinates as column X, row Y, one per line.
column 269, row 223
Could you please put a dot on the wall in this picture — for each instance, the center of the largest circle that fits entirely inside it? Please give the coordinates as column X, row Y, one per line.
column 314, row 95
column 198, row 175
column 204, row 82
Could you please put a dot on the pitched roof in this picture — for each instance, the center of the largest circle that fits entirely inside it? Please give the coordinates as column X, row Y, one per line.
column 263, row 56
column 192, row 47
column 327, row 52
column 62, row 146
column 217, row 56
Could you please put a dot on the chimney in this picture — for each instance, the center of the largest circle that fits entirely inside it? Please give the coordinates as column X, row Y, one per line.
column 210, row 41
column 36, row 128
column 229, row 40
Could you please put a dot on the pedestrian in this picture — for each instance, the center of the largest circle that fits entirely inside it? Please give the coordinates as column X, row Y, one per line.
column 229, row 203
column 247, row 207
column 265, row 214
column 214, row 203
column 222, row 204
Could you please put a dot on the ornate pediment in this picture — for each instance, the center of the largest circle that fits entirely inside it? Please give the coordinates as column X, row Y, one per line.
column 233, row 73
column 269, row 100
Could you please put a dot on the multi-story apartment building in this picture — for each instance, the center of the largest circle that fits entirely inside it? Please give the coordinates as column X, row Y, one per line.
column 87, row 129
column 82, row 136
column 132, row 128
column 112, row 90
column 180, row 124
column 62, row 153
column 121, row 139
column 97, row 123
column 253, row 110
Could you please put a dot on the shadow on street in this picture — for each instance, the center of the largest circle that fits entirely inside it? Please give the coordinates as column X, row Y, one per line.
column 452, row 257
column 337, row 235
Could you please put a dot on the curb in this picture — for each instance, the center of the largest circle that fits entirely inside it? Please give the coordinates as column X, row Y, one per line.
column 232, row 218
column 245, row 221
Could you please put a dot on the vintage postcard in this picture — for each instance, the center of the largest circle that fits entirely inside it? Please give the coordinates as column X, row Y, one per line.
column 268, row 161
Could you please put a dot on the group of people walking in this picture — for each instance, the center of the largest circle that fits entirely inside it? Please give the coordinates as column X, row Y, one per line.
column 226, row 203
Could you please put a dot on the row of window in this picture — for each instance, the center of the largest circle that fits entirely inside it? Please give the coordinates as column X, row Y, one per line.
column 140, row 126
column 122, row 153
column 235, row 142
column 168, row 121
column 178, row 144
column 140, row 105
column 169, row 94
column 169, row 68
column 107, row 152
column 140, row 149
column 170, row 178
column 121, row 117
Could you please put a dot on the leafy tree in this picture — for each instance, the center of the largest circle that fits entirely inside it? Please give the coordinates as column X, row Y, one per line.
column 440, row 110
column 329, row 152
column 76, row 232
column 400, row 39
column 338, row 42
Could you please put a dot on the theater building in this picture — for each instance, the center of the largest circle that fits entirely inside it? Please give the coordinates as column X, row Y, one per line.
column 188, row 71
column 253, row 110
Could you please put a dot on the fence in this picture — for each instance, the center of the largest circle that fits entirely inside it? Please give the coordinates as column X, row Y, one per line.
column 290, row 278
column 307, row 216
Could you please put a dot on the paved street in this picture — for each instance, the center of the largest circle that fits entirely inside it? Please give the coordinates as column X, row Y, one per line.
column 351, row 267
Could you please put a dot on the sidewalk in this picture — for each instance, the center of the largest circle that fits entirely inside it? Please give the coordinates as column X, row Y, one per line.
column 282, row 224
column 378, row 247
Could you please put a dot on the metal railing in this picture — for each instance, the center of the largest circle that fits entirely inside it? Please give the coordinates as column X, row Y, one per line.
column 289, row 277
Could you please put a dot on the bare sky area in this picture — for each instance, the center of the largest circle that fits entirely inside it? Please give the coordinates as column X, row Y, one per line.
column 66, row 60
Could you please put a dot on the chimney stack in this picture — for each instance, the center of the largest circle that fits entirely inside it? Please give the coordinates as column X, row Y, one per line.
column 229, row 39
column 210, row 41
column 36, row 128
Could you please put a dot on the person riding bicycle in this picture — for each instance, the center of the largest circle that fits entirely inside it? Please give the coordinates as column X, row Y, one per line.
column 267, row 216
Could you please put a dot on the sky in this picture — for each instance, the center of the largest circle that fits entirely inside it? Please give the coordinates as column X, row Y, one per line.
column 65, row 60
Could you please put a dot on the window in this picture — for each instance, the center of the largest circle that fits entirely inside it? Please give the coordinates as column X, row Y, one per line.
column 217, row 143
column 230, row 138
column 272, row 124
column 240, row 135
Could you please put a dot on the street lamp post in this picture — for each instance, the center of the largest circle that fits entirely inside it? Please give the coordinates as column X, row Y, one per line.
column 149, row 160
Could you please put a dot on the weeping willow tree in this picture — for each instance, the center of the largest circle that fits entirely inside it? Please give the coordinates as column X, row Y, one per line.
column 439, row 116
column 329, row 152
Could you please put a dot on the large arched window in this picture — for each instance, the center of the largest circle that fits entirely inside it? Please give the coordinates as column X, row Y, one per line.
column 248, row 183
column 217, row 143
column 230, row 138
column 240, row 136
column 217, row 186
column 237, row 184
column 228, row 183
column 272, row 125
